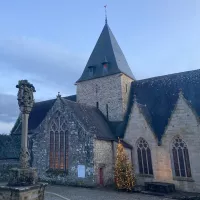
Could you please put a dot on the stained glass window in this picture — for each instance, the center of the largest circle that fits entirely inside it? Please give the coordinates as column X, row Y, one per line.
column 56, row 159
column 144, row 157
column 62, row 156
column 181, row 159
column 58, row 156
column 51, row 156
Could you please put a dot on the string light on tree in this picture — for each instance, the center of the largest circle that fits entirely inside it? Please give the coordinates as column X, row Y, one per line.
column 124, row 176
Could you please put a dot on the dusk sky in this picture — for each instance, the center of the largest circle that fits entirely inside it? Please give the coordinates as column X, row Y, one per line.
column 49, row 42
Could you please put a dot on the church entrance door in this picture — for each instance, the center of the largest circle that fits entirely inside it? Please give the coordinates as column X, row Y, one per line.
column 101, row 176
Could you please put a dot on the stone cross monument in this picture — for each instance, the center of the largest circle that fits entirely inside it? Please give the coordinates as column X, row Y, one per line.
column 23, row 182
column 24, row 175
column 25, row 102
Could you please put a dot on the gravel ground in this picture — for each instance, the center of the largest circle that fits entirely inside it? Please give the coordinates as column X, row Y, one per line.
column 76, row 193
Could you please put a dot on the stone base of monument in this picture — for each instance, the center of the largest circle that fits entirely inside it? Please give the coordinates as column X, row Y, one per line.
column 23, row 185
column 22, row 177
column 33, row 192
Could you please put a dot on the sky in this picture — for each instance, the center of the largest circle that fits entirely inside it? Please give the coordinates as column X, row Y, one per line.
column 49, row 42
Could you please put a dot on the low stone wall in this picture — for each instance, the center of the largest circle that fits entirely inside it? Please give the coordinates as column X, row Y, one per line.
column 32, row 192
column 9, row 154
column 9, row 146
column 5, row 165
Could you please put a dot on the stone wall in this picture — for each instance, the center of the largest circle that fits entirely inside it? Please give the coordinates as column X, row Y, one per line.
column 126, row 87
column 184, row 123
column 137, row 128
column 103, row 158
column 9, row 154
column 109, row 90
column 9, row 146
column 32, row 192
column 80, row 150
column 5, row 165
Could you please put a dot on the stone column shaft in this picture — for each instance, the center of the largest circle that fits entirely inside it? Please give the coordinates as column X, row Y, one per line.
column 24, row 154
column 24, row 136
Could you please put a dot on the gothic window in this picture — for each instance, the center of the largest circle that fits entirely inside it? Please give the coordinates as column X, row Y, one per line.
column 181, row 158
column 144, row 157
column 58, row 157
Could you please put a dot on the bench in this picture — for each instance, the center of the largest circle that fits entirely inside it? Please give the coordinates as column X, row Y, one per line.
column 160, row 187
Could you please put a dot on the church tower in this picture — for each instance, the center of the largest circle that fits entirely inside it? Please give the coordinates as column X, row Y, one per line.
column 106, row 79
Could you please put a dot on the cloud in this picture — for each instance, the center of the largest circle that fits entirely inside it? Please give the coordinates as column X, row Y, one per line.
column 50, row 68
column 9, row 112
column 8, row 108
column 47, row 64
column 5, row 127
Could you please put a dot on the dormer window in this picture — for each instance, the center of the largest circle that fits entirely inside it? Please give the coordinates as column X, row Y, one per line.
column 105, row 66
column 91, row 70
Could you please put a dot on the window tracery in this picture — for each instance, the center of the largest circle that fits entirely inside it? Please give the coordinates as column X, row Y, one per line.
column 181, row 159
column 58, row 157
column 144, row 157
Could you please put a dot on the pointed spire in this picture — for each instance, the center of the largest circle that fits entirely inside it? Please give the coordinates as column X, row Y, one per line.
column 107, row 46
column 105, row 14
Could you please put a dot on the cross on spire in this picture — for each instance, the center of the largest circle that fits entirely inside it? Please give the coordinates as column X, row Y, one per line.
column 58, row 96
column 105, row 14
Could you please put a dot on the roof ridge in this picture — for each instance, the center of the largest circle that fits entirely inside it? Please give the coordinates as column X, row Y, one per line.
column 55, row 99
column 81, row 104
column 163, row 76
column 44, row 101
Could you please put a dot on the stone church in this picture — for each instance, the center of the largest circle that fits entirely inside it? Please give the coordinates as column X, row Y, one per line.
column 72, row 140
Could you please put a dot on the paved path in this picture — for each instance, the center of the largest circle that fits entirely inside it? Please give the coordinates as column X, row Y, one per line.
column 55, row 192
column 76, row 193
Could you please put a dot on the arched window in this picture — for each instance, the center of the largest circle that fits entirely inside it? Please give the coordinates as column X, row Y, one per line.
column 181, row 158
column 58, row 157
column 144, row 157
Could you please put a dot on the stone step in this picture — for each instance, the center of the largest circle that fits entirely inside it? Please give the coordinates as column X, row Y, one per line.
column 153, row 193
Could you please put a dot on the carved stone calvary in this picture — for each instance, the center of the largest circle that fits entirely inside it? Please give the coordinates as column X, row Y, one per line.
column 25, row 102
column 23, row 181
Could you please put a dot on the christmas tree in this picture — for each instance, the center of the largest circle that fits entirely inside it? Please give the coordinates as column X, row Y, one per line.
column 124, row 177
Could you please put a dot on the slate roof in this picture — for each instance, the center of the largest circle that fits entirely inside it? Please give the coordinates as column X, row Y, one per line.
column 106, row 48
column 92, row 119
column 159, row 96
column 38, row 113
